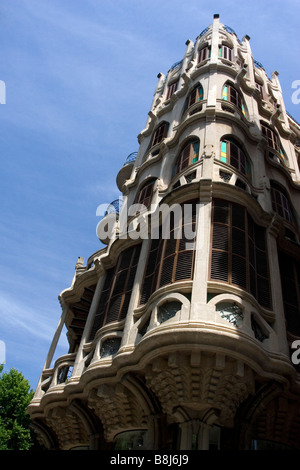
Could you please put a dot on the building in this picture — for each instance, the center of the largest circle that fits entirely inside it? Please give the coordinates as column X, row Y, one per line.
column 183, row 329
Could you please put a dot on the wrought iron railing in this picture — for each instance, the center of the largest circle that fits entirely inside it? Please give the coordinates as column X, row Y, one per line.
column 114, row 207
column 175, row 65
column 258, row 64
column 131, row 158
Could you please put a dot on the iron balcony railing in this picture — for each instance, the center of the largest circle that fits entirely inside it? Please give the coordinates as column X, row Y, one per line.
column 131, row 158
column 114, row 207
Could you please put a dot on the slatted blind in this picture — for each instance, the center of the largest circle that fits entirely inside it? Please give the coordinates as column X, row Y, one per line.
column 238, row 253
column 116, row 292
column 171, row 259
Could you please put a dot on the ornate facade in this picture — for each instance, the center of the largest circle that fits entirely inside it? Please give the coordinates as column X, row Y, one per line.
column 188, row 341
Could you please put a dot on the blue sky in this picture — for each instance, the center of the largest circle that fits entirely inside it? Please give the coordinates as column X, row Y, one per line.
column 80, row 77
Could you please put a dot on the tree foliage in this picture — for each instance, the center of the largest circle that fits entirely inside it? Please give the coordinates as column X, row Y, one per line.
column 15, row 396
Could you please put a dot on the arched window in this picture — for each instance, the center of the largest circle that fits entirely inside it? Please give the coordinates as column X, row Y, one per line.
column 196, row 95
column 280, row 202
column 188, row 155
column 231, row 95
column 144, row 196
column 239, row 251
column 160, row 133
column 232, row 154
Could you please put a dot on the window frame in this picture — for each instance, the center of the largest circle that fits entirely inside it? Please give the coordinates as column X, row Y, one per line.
column 171, row 89
column 145, row 193
column 196, row 95
column 228, row 157
column 189, row 155
column 226, row 52
column 281, row 203
column 160, row 133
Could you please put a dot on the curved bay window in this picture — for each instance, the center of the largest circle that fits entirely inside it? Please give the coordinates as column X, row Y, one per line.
column 280, row 202
column 117, row 288
column 188, row 155
column 232, row 154
column 171, row 256
column 231, row 95
column 160, row 133
column 239, row 252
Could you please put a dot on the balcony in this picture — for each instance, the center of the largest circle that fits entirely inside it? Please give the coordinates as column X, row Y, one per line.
column 106, row 227
column 125, row 171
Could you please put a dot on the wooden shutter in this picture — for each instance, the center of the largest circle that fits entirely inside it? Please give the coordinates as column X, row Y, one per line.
column 116, row 292
column 170, row 259
column 280, row 203
column 238, row 252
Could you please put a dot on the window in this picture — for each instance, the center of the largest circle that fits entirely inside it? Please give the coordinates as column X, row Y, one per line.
column 196, row 95
column 160, row 133
column 232, row 154
column 272, row 138
column 204, row 54
column 145, row 194
column 280, row 202
column 116, row 292
column 171, row 89
column 171, row 259
column 231, row 95
column 188, row 155
column 238, row 253
column 259, row 87
column 290, row 282
column 226, row 52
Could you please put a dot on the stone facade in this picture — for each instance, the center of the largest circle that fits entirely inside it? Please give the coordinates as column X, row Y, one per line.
column 186, row 342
